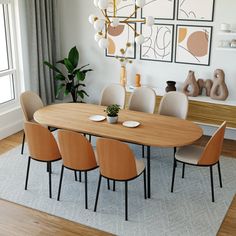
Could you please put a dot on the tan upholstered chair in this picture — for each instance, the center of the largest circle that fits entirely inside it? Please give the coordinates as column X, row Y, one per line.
column 30, row 102
column 42, row 147
column 77, row 154
column 142, row 99
column 204, row 157
column 113, row 94
column 174, row 104
column 117, row 162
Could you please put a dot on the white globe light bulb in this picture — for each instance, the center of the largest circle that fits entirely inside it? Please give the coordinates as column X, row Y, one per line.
column 140, row 3
column 115, row 22
column 149, row 21
column 103, row 43
column 99, row 25
column 95, row 2
column 103, row 4
column 139, row 39
column 91, row 19
column 97, row 37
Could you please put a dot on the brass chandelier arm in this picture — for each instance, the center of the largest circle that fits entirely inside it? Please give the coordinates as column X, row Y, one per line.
column 106, row 16
column 132, row 21
column 136, row 34
column 136, row 8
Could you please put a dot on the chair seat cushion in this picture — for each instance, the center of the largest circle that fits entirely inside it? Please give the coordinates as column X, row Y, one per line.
column 140, row 166
column 189, row 154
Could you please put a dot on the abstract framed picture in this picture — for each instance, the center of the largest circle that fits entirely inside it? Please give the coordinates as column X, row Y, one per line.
column 193, row 44
column 159, row 9
column 195, row 10
column 118, row 37
column 124, row 8
column 158, row 44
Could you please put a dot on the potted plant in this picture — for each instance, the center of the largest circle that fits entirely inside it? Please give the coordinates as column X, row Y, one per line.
column 112, row 113
column 71, row 81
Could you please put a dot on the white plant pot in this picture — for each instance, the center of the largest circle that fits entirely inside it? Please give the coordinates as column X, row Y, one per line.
column 112, row 120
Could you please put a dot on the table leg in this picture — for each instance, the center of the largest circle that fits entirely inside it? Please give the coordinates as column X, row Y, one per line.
column 148, row 171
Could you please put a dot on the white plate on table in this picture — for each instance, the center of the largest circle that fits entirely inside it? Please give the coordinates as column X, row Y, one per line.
column 97, row 118
column 131, row 124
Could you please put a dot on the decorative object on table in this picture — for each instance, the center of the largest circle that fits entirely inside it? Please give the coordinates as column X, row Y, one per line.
column 158, row 44
column 170, row 86
column 192, row 10
column 97, row 118
column 131, row 124
column 207, row 84
column 71, row 81
column 112, row 113
column 159, row 9
column 193, row 44
column 119, row 18
column 219, row 90
column 137, row 80
column 190, row 87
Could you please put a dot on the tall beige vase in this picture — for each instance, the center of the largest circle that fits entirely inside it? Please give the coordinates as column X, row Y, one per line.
column 123, row 76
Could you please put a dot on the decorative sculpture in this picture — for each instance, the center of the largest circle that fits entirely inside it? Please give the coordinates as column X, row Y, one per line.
column 219, row 90
column 204, row 84
column 190, row 87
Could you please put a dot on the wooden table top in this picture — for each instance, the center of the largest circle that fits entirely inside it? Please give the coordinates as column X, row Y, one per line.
column 154, row 130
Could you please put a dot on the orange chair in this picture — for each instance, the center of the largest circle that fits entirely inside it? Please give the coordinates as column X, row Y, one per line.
column 42, row 147
column 117, row 162
column 204, row 157
column 77, row 154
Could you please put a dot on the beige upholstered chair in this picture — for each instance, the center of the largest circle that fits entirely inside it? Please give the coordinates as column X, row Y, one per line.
column 30, row 102
column 77, row 154
column 113, row 94
column 142, row 99
column 204, row 157
column 42, row 147
column 174, row 104
column 117, row 162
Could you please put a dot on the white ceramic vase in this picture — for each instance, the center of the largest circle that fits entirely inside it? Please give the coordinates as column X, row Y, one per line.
column 112, row 119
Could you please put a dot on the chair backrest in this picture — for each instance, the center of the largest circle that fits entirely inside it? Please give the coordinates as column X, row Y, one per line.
column 76, row 151
column 143, row 99
column 174, row 104
column 113, row 94
column 30, row 102
column 42, row 144
column 116, row 159
column 212, row 150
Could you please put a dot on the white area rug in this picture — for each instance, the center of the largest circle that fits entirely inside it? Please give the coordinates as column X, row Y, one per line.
column 187, row 211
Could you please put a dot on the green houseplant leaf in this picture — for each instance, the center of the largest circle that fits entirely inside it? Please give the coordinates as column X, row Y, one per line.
column 74, row 56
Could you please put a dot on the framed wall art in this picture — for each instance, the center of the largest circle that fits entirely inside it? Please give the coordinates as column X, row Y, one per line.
column 158, row 44
column 124, row 8
column 193, row 44
column 159, row 9
column 195, row 10
column 118, row 37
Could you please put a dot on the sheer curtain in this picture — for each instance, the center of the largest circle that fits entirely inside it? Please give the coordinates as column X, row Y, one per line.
column 43, row 43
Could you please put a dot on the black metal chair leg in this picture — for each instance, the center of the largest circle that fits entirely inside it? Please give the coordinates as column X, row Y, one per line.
column 212, row 184
column 126, row 200
column 86, row 189
column 27, row 173
column 143, row 151
column 144, row 184
column 60, row 183
column 220, row 179
column 75, row 175
column 50, row 180
column 114, row 185
column 183, row 169
column 173, row 176
column 97, row 195
column 174, row 156
column 23, row 144
column 48, row 167
column 90, row 138
column 80, row 177
column 108, row 184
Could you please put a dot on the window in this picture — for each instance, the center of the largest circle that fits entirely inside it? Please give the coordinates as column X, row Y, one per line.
column 7, row 70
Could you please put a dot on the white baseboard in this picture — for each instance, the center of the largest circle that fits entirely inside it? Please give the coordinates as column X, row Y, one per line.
column 11, row 129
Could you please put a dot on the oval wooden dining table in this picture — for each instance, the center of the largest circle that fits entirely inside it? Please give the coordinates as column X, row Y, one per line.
column 154, row 130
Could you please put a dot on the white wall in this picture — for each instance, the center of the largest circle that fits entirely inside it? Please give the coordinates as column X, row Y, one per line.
column 75, row 30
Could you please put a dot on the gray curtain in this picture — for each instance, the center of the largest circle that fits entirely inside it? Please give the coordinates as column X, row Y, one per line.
column 43, row 43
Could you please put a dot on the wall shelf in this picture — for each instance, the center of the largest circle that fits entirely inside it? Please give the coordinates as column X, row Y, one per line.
column 226, row 49
column 233, row 33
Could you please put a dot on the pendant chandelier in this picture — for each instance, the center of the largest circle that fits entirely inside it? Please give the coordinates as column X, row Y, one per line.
column 101, row 25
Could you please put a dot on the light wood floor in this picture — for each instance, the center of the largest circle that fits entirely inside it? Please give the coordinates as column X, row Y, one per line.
column 19, row 220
